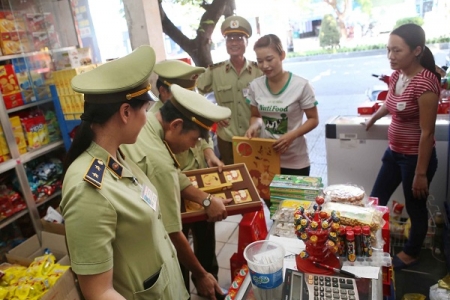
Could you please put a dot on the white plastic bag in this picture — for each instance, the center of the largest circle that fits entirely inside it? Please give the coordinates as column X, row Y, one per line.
column 436, row 293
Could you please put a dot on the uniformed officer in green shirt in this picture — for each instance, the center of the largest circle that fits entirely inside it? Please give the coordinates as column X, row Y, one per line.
column 229, row 80
column 116, row 238
column 198, row 157
column 175, row 128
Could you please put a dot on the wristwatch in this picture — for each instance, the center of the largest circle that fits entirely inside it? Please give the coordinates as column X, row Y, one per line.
column 207, row 201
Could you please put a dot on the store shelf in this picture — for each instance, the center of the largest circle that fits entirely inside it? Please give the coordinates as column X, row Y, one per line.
column 12, row 218
column 22, row 107
column 56, row 194
column 28, row 54
column 24, row 158
column 7, row 165
column 9, row 220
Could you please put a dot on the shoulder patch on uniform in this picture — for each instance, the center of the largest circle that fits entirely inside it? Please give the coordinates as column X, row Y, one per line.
column 216, row 65
column 94, row 174
column 254, row 63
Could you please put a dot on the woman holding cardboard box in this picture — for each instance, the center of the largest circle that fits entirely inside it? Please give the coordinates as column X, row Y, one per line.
column 278, row 101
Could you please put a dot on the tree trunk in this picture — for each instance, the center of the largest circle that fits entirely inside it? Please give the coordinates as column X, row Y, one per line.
column 198, row 48
column 340, row 14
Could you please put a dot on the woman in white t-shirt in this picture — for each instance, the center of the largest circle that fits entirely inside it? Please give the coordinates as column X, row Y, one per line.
column 278, row 101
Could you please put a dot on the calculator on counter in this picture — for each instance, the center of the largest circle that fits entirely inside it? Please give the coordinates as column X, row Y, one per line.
column 307, row 286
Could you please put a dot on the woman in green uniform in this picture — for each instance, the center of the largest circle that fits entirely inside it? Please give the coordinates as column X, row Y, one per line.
column 117, row 243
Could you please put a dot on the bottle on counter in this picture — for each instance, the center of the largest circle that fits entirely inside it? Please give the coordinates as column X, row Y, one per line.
column 358, row 240
column 350, row 242
column 367, row 246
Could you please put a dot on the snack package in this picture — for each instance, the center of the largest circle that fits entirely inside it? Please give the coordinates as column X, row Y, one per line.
column 345, row 193
column 356, row 215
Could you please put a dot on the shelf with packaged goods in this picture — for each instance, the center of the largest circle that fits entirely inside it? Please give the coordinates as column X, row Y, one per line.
column 32, row 104
column 26, row 157
column 5, row 222
column 28, row 54
column 18, row 161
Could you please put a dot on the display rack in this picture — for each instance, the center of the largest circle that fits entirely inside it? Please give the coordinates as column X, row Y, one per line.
column 46, row 37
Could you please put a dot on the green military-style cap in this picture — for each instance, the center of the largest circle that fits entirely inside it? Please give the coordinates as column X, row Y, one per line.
column 119, row 80
column 197, row 108
column 174, row 71
column 236, row 24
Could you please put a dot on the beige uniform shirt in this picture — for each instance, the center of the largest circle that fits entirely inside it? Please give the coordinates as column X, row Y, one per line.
column 194, row 158
column 230, row 90
column 111, row 227
column 155, row 107
column 152, row 156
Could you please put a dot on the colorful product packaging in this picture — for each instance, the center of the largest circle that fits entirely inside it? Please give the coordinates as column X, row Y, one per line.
column 18, row 134
column 9, row 87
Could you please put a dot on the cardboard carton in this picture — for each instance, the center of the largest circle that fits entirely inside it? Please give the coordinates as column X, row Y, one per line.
column 25, row 253
column 56, row 228
column 64, row 288
column 262, row 162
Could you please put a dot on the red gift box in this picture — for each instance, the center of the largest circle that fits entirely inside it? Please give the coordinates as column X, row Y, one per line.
column 368, row 108
column 252, row 228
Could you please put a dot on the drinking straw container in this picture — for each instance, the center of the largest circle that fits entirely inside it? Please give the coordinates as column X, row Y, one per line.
column 265, row 262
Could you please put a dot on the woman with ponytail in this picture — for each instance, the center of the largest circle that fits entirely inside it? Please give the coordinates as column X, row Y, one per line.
column 410, row 159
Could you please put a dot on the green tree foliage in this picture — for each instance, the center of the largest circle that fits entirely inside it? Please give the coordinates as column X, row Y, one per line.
column 413, row 20
column 342, row 7
column 329, row 35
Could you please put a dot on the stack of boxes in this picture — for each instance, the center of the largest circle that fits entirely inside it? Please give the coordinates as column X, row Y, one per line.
column 293, row 187
column 9, row 87
column 13, row 33
column 41, row 27
column 72, row 103
column 23, row 32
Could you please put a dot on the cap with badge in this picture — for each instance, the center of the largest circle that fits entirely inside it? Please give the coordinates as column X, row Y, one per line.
column 178, row 72
column 119, row 80
column 197, row 108
column 236, row 24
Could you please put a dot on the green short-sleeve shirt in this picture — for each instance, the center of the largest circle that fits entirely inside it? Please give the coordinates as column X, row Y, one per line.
column 230, row 90
column 113, row 228
column 194, row 158
column 152, row 156
column 155, row 107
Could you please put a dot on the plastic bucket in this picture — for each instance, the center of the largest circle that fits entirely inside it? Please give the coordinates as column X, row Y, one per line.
column 265, row 260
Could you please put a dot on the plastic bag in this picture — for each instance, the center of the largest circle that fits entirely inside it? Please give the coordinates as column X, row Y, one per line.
column 436, row 293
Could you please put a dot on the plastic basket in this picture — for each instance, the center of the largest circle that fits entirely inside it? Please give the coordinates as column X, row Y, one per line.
column 398, row 227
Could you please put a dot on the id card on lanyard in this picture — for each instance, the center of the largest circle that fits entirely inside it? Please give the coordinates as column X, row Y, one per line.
column 149, row 197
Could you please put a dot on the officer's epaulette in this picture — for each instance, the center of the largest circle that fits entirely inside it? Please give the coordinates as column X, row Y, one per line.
column 94, row 174
column 216, row 65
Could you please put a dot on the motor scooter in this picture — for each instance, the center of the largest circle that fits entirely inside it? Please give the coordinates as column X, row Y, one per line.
column 378, row 92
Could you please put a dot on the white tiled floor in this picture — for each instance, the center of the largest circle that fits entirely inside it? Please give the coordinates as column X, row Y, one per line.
column 226, row 244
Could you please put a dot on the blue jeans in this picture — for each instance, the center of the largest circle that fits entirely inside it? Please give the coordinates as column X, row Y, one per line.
column 400, row 168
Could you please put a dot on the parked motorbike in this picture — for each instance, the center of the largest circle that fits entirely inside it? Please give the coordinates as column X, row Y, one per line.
column 378, row 92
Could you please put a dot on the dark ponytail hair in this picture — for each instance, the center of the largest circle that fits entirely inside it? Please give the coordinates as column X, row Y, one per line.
column 93, row 113
column 414, row 36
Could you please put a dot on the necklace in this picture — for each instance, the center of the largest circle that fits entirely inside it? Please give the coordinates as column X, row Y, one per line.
column 405, row 80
